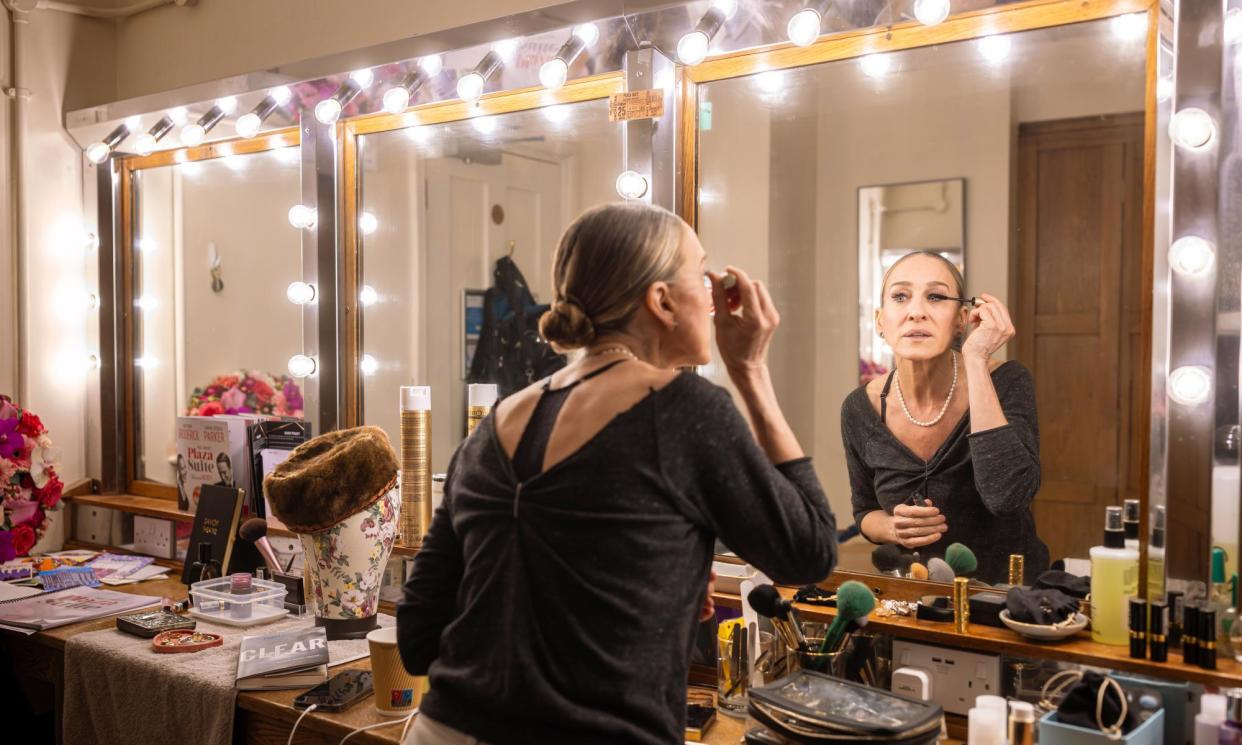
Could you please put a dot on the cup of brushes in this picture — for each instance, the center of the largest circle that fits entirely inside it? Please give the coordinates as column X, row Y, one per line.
column 854, row 603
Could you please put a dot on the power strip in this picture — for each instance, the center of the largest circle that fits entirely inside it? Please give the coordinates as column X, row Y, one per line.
column 957, row 676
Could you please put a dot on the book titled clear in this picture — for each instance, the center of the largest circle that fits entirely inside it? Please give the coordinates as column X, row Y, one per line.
column 289, row 659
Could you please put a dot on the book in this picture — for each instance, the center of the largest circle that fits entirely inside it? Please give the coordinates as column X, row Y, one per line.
column 10, row 591
column 215, row 522
column 52, row 609
column 289, row 659
column 271, row 441
column 118, row 565
column 204, row 456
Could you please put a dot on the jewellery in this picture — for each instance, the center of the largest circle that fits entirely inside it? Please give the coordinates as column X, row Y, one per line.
column 185, row 641
column 952, row 387
column 617, row 349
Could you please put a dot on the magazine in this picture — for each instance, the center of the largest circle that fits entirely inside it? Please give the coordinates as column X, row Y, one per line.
column 53, row 609
column 290, row 659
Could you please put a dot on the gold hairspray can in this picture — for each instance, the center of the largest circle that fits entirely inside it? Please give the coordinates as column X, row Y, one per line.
column 481, row 398
column 415, row 463
column 961, row 604
column 1017, row 569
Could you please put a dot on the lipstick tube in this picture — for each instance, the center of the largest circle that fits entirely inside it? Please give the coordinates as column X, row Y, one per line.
column 1157, row 643
column 1190, row 627
column 961, row 604
column 1138, row 628
column 1207, row 639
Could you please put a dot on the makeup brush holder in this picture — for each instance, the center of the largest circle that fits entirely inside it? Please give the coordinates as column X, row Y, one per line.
column 862, row 657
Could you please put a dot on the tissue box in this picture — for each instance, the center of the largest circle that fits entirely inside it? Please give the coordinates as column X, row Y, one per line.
column 1052, row 732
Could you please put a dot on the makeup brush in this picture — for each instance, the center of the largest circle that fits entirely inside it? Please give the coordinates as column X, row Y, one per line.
column 918, row 571
column 938, row 570
column 854, row 601
column 767, row 601
column 890, row 558
column 255, row 530
column 961, row 559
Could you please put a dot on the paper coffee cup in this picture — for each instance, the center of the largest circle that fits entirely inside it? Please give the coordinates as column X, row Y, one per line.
column 396, row 691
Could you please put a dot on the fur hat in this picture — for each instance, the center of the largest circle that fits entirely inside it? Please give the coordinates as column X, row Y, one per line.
column 330, row 477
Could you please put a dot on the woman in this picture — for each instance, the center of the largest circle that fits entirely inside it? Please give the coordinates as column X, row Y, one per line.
column 556, row 594
column 945, row 448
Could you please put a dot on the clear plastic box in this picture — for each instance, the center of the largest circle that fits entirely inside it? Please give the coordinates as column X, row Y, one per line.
column 213, row 602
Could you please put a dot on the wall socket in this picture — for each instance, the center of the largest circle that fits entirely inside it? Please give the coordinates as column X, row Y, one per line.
column 957, row 676
column 155, row 537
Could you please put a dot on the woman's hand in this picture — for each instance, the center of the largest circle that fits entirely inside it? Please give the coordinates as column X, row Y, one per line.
column 744, row 338
column 994, row 329
column 914, row 526
column 709, row 605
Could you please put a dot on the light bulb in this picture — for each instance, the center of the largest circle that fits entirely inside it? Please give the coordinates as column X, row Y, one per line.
column 145, row 245
column 484, row 124
column 931, row 12
column 228, row 104
column 1164, row 88
column 281, row 94
column 470, row 86
column 328, row 110
column 248, row 125
column 588, row 32
column 631, row 185
column 553, row 73
column 146, row 303
column 1193, row 129
column 97, row 152
column 1192, row 255
column 728, row 6
column 368, row 365
column 300, row 293
column 193, row 134
column 396, row 99
column 145, row 144
column 692, row 48
column 995, row 48
column 363, row 78
column 772, row 81
column 133, row 123
column 368, row 223
column 432, row 64
column 803, row 28
column 147, row 362
column 1130, row 27
column 90, row 242
column 875, row 65
column 506, row 49
column 368, row 296
column 301, row 366
column 1190, row 385
column 91, row 362
column 301, row 216
column 178, row 114
column 556, row 114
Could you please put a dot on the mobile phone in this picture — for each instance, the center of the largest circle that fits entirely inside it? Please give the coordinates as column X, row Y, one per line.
column 342, row 691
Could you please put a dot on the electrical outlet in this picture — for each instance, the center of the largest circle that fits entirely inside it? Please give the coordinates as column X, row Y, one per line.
column 155, row 537
column 93, row 524
column 959, row 676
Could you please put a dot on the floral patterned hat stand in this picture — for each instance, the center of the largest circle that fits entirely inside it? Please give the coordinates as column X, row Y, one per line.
column 339, row 493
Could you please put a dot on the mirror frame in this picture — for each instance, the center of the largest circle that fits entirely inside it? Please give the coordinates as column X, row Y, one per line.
column 1030, row 16
column 121, row 314
column 593, row 88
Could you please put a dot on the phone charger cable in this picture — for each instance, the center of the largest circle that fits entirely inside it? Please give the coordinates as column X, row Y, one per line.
column 406, row 719
column 309, row 709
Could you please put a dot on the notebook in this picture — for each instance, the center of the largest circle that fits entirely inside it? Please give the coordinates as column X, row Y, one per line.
column 289, row 659
column 49, row 610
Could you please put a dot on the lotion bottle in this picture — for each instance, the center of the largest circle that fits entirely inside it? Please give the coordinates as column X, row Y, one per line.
column 1114, row 580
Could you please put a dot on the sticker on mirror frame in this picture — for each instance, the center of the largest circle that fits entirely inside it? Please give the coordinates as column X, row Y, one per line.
column 644, row 104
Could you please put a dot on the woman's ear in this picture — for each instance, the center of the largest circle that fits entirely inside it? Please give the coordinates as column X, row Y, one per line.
column 879, row 324
column 659, row 302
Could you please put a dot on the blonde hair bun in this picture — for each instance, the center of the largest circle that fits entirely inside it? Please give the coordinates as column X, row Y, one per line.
column 567, row 325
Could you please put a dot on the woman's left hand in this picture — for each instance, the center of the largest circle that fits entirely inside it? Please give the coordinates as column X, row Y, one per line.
column 709, row 606
column 993, row 331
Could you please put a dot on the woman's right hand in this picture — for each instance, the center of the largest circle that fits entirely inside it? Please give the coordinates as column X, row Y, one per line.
column 743, row 339
column 917, row 526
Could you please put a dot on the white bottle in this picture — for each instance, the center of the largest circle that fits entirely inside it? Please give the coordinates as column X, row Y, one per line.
column 1114, row 580
column 1207, row 722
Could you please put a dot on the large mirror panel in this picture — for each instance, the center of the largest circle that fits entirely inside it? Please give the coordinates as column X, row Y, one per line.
column 441, row 206
column 1044, row 133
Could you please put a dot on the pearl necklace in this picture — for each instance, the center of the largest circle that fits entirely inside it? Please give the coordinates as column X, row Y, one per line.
column 952, row 387
column 618, row 349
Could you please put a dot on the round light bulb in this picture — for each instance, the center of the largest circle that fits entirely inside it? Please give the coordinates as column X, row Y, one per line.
column 470, row 86
column 1190, row 385
column 145, row 245
column 553, row 73
column 770, row 82
column 363, row 78
column 432, row 64
column 367, row 365
column 1192, row 255
column 368, row 296
column 588, row 32
column 193, row 134
column 875, row 65
column 396, row 99
column 145, row 144
column 228, row 104
column 995, row 48
column 281, row 94
column 301, row 366
column 1164, row 88
column 300, row 293
column 1130, row 27
column 146, row 363
column 328, row 110
column 506, row 49
column 1193, row 129
column 931, row 12
column 803, row 27
column 178, row 114
column 631, row 185
column 146, row 303
column 248, row 125
column 484, row 124
column 368, row 223
column 692, row 48
column 133, row 123
column 556, row 114
column 97, row 152
column 301, row 216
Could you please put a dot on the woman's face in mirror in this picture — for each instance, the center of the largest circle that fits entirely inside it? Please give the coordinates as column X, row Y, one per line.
column 916, row 317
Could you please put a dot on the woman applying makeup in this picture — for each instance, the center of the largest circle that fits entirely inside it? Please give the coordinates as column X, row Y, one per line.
column 945, row 448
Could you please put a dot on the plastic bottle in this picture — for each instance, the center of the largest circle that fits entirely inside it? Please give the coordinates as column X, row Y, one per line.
column 1209, row 719
column 1231, row 728
column 1114, row 580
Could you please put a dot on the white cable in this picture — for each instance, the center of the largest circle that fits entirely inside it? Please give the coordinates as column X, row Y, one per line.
column 309, row 709
column 408, row 719
column 405, row 719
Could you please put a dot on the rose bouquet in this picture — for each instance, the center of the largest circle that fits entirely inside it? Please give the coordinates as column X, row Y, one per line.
column 28, row 481
column 247, row 392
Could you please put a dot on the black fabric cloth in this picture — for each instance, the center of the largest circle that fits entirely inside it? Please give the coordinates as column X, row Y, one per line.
column 983, row 483
column 1070, row 584
column 1079, row 707
column 1041, row 607
column 563, row 609
column 510, row 352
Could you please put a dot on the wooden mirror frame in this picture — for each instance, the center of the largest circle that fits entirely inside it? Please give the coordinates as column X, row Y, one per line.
column 1018, row 17
column 122, row 316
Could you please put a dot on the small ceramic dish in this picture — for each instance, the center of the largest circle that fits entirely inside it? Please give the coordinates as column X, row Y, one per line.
column 1042, row 633
column 184, row 640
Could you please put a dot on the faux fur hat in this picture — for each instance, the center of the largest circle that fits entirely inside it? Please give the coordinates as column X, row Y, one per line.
column 331, row 477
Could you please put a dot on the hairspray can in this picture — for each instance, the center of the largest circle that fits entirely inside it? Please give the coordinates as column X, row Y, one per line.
column 415, row 463
column 481, row 399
